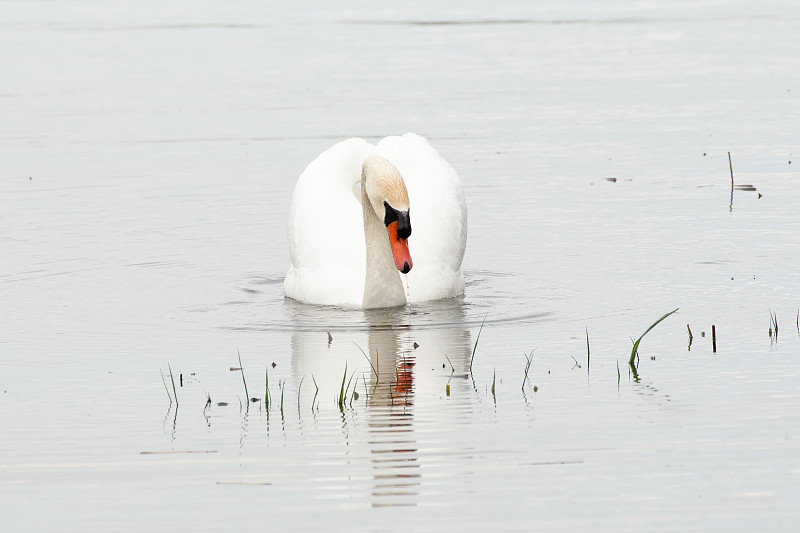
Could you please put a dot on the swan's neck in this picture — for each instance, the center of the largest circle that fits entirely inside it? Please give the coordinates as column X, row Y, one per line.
column 382, row 284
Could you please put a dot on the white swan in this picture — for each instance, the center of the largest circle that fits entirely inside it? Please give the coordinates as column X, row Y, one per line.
column 352, row 210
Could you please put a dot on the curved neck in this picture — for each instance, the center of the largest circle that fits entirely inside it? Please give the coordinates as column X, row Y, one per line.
column 382, row 284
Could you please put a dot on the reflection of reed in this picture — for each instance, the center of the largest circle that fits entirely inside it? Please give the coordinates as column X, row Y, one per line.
column 406, row 350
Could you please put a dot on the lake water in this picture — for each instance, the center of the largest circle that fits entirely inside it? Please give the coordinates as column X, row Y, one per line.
column 147, row 158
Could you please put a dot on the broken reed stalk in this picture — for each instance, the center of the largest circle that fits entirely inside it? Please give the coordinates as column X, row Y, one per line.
column 714, row 337
column 730, row 164
column 314, row 399
column 266, row 389
column 174, row 390
column 636, row 344
column 476, row 344
column 494, row 375
column 241, row 369
column 452, row 368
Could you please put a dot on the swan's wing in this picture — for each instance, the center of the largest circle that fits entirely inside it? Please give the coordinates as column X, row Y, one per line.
column 438, row 216
column 326, row 228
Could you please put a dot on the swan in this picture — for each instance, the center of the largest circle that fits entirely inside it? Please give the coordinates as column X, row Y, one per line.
column 351, row 219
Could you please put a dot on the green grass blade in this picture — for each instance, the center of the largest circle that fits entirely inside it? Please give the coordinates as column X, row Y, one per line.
column 529, row 360
column 241, row 369
column 341, row 390
column 299, row 389
column 476, row 344
column 654, row 324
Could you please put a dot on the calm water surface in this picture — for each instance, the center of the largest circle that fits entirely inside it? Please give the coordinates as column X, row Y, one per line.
column 147, row 159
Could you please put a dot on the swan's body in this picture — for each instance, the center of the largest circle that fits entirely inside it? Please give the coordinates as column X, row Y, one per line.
column 341, row 243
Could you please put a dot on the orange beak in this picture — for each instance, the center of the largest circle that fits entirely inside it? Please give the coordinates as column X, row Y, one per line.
column 402, row 257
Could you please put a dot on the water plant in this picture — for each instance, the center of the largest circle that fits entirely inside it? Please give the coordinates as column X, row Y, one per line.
column 452, row 368
column 366, row 390
column 636, row 344
column 314, row 399
column 241, row 369
column 475, row 347
column 161, row 372
column 355, row 394
column 528, row 361
column 588, row 353
column 343, row 389
column 267, row 397
column 174, row 390
column 368, row 360
column 714, row 338
column 299, row 389
column 340, row 402
column 773, row 324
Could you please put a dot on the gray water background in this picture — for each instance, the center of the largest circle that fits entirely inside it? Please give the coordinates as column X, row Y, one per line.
column 147, row 158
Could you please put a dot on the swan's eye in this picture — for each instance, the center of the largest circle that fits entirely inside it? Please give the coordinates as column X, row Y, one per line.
column 391, row 214
column 403, row 219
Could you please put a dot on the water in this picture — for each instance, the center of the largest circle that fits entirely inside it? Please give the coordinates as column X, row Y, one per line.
column 148, row 154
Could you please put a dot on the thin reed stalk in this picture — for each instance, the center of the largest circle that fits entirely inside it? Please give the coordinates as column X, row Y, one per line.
column 241, row 369
column 164, row 381
column 368, row 361
column 174, row 390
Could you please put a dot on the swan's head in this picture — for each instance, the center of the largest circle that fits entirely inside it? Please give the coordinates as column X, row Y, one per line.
column 388, row 196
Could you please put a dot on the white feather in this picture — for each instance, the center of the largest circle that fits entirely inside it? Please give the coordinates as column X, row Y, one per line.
column 326, row 228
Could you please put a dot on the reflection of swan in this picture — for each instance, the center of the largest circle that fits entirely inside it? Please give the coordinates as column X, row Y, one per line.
column 388, row 336
column 405, row 362
column 344, row 253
